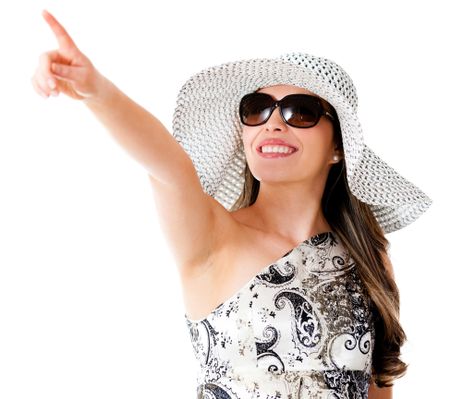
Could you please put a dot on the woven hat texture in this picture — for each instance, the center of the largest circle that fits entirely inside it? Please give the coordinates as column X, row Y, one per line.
column 206, row 123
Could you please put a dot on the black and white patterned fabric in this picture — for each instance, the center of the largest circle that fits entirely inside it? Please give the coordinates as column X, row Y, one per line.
column 303, row 327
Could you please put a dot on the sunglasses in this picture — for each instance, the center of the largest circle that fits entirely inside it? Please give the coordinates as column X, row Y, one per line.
column 297, row 110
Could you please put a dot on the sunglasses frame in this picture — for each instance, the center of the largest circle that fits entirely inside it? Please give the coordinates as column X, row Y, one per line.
column 324, row 108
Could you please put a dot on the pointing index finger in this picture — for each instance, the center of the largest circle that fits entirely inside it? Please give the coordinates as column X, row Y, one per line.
column 64, row 40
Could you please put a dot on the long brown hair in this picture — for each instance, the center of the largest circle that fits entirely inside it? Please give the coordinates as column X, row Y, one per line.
column 357, row 228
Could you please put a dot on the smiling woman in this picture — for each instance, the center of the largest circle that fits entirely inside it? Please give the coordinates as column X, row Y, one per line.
column 292, row 165
column 276, row 212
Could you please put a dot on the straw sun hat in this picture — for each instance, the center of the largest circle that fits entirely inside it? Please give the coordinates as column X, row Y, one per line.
column 206, row 123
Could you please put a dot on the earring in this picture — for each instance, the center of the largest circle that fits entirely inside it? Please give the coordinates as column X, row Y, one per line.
column 335, row 157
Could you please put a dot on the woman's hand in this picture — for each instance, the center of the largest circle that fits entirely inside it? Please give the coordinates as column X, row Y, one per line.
column 66, row 69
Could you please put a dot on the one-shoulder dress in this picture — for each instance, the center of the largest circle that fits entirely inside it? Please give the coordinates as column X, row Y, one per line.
column 303, row 327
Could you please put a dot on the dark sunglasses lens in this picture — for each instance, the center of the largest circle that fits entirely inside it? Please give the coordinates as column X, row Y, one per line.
column 255, row 109
column 301, row 111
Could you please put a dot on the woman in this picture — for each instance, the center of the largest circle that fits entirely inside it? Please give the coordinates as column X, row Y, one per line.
column 276, row 212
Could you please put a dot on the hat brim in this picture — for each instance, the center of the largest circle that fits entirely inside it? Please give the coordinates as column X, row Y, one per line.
column 206, row 123
column 394, row 200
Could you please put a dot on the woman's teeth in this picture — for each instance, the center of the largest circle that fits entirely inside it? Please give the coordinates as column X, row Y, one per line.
column 277, row 149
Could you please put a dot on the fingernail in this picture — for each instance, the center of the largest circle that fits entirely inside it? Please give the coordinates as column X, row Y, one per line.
column 51, row 83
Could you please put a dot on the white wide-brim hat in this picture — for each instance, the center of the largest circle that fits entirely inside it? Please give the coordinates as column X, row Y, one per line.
column 206, row 123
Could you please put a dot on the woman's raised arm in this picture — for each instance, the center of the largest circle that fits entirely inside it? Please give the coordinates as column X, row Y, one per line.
column 187, row 214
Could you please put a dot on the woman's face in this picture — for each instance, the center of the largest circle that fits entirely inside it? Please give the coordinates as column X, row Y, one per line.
column 314, row 146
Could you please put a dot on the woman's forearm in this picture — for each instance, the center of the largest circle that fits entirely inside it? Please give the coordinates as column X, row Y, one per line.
column 140, row 133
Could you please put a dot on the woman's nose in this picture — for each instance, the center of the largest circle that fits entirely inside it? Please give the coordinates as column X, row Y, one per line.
column 275, row 120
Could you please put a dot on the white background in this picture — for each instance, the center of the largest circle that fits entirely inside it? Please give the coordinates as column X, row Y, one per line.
column 90, row 299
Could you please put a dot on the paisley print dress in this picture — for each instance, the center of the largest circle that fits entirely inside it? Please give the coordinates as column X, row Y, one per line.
column 303, row 327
